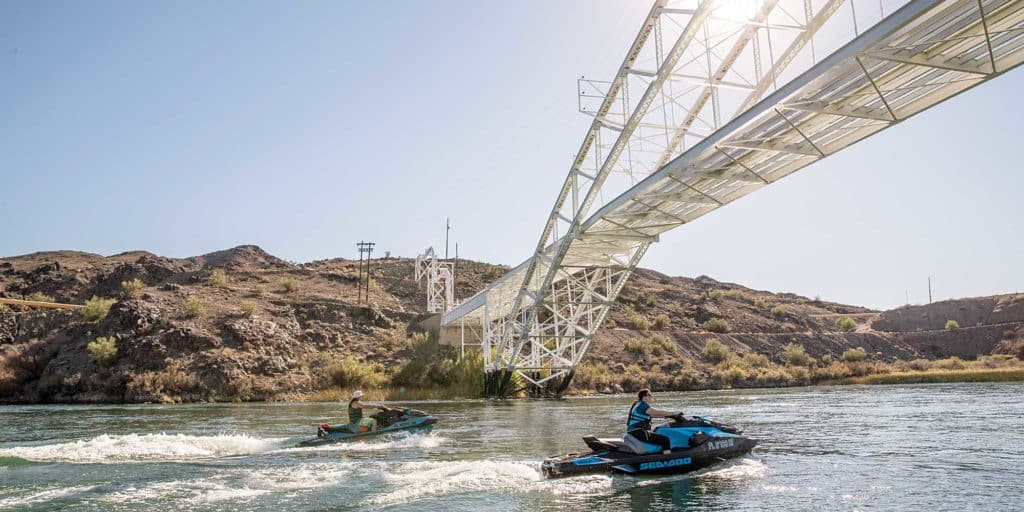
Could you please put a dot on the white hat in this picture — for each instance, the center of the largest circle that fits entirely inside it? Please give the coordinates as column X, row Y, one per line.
column 357, row 394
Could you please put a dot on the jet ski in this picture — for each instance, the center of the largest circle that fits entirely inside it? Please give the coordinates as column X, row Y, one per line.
column 696, row 443
column 394, row 419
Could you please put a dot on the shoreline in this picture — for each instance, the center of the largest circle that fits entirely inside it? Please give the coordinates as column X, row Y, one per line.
column 961, row 376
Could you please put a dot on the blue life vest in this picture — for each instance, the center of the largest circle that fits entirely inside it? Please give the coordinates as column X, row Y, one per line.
column 638, row 417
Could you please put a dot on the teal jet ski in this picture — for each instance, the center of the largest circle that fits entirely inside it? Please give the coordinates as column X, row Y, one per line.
column 696, row 443
column 394, row 419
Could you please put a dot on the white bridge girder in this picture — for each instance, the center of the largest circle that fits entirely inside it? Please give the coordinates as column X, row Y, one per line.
column 804, row 79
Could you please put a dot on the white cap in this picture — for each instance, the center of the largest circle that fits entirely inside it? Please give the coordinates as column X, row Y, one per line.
column 357, row 394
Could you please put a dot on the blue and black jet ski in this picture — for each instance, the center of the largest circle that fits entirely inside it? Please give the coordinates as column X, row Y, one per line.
column 394, row 419
column 696, row 443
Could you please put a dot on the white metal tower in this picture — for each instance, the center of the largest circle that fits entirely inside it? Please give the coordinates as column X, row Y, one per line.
column 440, row 277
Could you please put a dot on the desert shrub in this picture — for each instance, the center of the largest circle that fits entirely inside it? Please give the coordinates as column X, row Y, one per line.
column 952, row 363
column 39, row 297
column 349, row 373
column 827, row 359
column 493, row 273
column 289, row 285
column 798, row 375
column 132, row 288
column 715, row 351
column 854, row 355
column 639, row 322
column 219, row 278
column 952, row 325
column 734, row 293
column 193, row 307
column 779, row 310
column 919, row 364
column 259, row 290
column 96, row 308
column 249, row 308
column 795, row 355
column 760, row 304
column 660, row 344
column 635, row 346
column 591, row 376
column 434, row 365
column 755, row 360
column 716, row 325
column 661, row 322
column 845, row 324
column 713, row 294
column 102, row 351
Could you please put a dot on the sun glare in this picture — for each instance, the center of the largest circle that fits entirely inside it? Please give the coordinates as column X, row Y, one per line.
column 736, row 10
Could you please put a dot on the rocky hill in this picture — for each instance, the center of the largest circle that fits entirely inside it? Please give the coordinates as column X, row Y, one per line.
column 241, row 324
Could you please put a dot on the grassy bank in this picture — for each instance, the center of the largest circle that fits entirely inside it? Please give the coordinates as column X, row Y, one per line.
column 938, row 376
column 720, row 368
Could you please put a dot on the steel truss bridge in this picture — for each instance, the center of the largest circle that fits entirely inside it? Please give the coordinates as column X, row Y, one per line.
column 714, row 100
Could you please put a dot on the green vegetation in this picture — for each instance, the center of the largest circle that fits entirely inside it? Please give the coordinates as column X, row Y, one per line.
column 219, row 278
column 854, row 355
column 194, row 307
column 760, row 303
column 845, row 324
column 795, row 355
column 132, row 288
column 349, row 373
column 716, row 325
column 493, row 273
column 716, row 352
column 289, row 286
column 639, row 322
column 779, row 310
column 102, row 351
column 661, row 322
column 249, row 308
column 39, row 297
column 96, row 308
column 656, row 345
column 436, row 366
column 635, row 346
column 952, row 325
column 712, row 294
column 661, row 345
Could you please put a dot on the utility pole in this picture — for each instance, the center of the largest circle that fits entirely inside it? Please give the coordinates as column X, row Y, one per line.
column 447, row 228
column 367, row 248
column 455, row 265
column 929, row 289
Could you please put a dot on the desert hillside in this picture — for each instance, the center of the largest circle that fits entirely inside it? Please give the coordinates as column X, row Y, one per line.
column 241, row 324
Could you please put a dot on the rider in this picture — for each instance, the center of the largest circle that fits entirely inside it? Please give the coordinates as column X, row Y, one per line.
column 355, row 413
column 638, row 423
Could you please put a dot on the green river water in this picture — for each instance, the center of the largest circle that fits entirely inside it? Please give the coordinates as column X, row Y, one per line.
column 915, row 447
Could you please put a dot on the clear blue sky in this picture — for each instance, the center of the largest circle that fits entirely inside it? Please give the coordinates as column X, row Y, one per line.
column 187, row 127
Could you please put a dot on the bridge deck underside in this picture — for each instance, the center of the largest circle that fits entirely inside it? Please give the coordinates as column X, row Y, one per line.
column 880, row 78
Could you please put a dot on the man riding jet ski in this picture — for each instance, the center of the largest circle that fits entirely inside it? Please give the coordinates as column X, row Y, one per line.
column 679, row 446
column 386, row 420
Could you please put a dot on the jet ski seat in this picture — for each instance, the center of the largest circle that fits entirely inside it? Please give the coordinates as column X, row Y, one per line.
column 631, row 444
column 628, row 444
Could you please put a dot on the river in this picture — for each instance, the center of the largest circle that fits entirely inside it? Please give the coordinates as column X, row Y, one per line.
column 914, row 447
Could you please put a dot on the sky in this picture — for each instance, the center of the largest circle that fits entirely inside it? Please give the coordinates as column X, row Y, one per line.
column 182, row 128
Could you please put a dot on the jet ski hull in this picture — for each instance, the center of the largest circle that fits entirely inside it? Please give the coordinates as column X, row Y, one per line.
column 696, row 443
column 711, row 452
column 406, row 423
